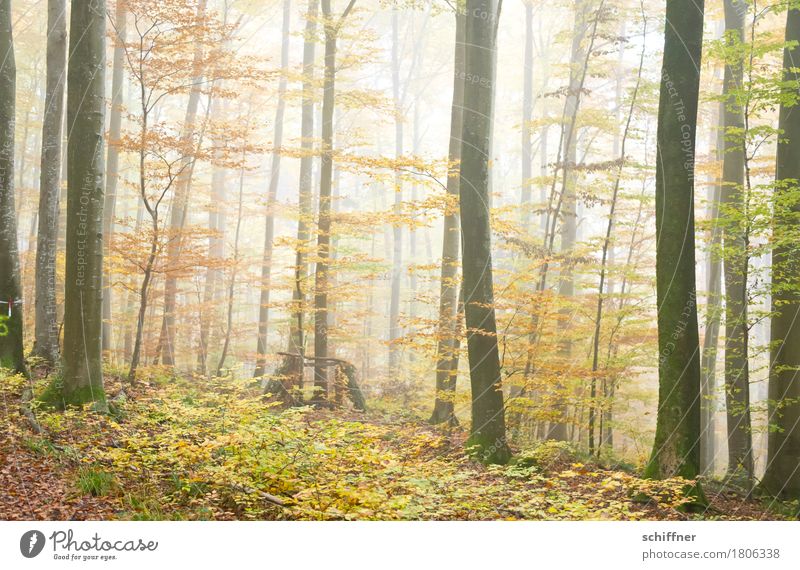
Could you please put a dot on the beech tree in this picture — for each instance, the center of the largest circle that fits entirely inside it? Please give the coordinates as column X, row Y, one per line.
column 782, row 476
column 735, row 261
column 83, row 319
column 272, row 198
column 488, row 430
column 46, row 343
column 446, row 357
column 332, row 24
column 11, row 352
column 676, row 450
column 120, row 24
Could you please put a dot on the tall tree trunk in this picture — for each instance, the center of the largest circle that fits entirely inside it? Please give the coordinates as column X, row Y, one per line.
column 397, row 228
column 83, row 317
column 296, row 326
column 177, row 219
column 112, row 163
column 324, row 209
column 322, row 269
column 272, row 198
column 782, row 476
column 216, row 254
column 713, row 314
column 676, row 450
column 11, row 322
column 446, row 373
column 527, row 112
column 46, row 341
column 735, row 262
column 567, row 202
column 488, row 430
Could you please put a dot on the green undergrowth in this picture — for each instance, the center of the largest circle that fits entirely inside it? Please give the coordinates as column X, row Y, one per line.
column 192, row 448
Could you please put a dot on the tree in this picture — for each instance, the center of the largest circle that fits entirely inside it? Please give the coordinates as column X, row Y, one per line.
column 83, row 319
column 296, row 340
column 713, row 314
column 607, row 247
column 160, row 67
column 446, row 370
column 272, row 198
column 11, row 352
column 395, row 330
column 488, row 430
column 782, row 476
column 331, row 25
column 178, row 212
column 734, row 243
column 112, row 160
column 46, row 335
column 676, row 450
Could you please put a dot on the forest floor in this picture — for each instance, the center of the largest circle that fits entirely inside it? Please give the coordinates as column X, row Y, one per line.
column 178, row 449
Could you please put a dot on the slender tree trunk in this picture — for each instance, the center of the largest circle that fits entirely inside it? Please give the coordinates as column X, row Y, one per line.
column 782, row 477
column 446, row 373
column 713, row 310
column 296, row 326
column 272, row 198
column 112, row 163
column 527, row 112
column 130, row 301
column 46, row 342
column 11, row 322
column 735, row 262
column 488, row 430
column 676, row 450
column 216, row 254
column 321, row 277
column 178, row 213
column 232, row 283
column 567, row 202
column 397, row 228
column 83, row 317
column 607, row 245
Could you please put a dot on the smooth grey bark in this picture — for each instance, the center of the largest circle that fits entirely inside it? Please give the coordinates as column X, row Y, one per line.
column 735, row 262
column 11, row 322
column 272, row 198
column 782, row 476
column 46, row 336
column 446, row 371
column 83, row 317
column 488, row 430
column 676, row 449
column 112, row 162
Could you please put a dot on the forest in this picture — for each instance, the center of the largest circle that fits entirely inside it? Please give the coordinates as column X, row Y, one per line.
column 399, row 259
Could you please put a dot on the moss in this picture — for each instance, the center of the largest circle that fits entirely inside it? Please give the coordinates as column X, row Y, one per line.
column 489, row 451
column 57, row 397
